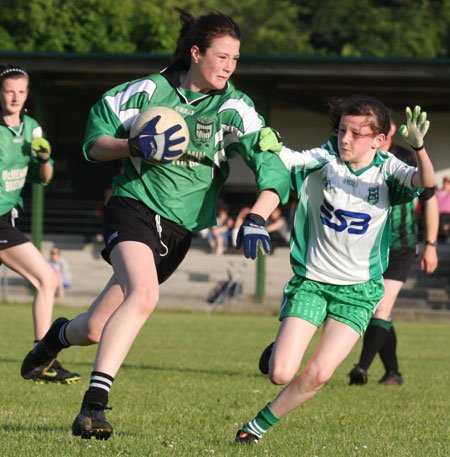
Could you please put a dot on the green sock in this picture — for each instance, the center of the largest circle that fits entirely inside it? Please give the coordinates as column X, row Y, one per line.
column 262, row 422
column 381, row 323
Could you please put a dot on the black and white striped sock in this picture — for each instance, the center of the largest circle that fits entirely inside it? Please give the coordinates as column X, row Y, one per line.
column 99, row 387
column 101, row 381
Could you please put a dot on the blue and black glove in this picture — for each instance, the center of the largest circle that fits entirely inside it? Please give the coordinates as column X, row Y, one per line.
column 253, row 235
column 151, row 145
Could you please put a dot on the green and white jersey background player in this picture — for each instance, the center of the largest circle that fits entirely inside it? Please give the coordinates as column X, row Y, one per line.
column 18, row 162
column 221, row 123
column 344, row 212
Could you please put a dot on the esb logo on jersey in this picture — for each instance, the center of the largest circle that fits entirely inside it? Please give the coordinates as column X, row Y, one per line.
column 356, row 223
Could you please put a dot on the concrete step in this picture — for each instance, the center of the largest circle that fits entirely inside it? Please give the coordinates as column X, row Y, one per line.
column 190, row 285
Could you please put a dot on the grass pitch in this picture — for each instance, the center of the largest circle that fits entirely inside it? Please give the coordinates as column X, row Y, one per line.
column 191, row 380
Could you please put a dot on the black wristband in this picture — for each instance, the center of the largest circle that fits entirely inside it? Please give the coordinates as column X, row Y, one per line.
column 418, row 149
column 134, row 147
column 256, row 218
column 277, row 134
column 42, row 161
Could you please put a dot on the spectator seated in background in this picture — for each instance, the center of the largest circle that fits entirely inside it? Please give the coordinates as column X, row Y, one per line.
column 443, row 198
column 60, row 265
column 219, row 235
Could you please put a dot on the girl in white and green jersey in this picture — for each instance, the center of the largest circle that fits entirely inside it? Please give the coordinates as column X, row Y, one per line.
column 25, row 157
column 154, row 209
column 339, row 246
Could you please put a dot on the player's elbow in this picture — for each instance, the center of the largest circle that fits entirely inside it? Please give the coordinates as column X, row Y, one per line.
column 424, row 180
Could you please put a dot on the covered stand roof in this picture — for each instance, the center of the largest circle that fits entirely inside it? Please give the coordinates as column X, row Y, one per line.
column 65, row 86
column 301, row 81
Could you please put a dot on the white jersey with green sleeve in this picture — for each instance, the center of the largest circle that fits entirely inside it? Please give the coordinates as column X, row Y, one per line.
column 342, row 232
column 18, row 163
column 221, row 123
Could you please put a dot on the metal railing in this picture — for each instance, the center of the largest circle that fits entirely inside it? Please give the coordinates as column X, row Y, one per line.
column 65, row 216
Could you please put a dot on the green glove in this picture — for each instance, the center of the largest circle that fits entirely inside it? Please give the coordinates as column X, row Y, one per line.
column 416, row 127
column 270, row 140
column 42, row 149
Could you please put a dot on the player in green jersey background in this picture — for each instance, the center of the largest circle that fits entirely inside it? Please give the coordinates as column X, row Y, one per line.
column 25, row 156
column 339, row 246
column 154, row 209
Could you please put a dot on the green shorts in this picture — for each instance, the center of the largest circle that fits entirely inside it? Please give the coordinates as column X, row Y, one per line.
column 314, row 301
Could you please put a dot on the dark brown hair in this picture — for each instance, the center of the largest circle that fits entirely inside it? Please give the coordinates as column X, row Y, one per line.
column 201, row 31
column 377, row 114
column 12, row 71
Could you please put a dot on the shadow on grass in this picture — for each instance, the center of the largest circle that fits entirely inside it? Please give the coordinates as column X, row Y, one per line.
column 178, row 369
column 38, row 429
column 192, row 370
column 17, row 428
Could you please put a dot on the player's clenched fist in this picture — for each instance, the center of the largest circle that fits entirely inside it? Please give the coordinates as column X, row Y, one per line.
column 150, row 144
column 270, row 140
column 254, row 237
column 41, row 148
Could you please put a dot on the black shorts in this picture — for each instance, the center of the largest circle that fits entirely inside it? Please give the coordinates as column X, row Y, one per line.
column 400, row 263
column 10, row 235
column 126, row 219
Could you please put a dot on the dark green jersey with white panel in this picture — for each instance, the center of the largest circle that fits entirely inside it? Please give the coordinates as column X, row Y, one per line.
column 18, row 162
column 221, row 124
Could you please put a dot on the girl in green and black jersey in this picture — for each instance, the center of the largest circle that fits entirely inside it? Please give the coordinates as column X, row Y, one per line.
column 154, row 209
column 25, row 156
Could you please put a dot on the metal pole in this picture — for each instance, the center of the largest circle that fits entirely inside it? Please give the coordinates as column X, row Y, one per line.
column 260, row 286
column 37, row 214
column 260, row 278
column 4, row 284
column 37, row 192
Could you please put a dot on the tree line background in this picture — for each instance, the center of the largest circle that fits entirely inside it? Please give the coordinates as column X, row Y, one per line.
column 359, row 28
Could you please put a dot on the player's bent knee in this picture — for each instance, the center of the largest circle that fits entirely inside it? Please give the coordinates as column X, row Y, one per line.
column 281, row 377
column 382, row 315
column 323, row 376
column 50, row 281
column 93, row 336
column 319, row 375
column 46, row 281
column 383, row 312
column 146, row 300
column 278, row 380
column 93, row 332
